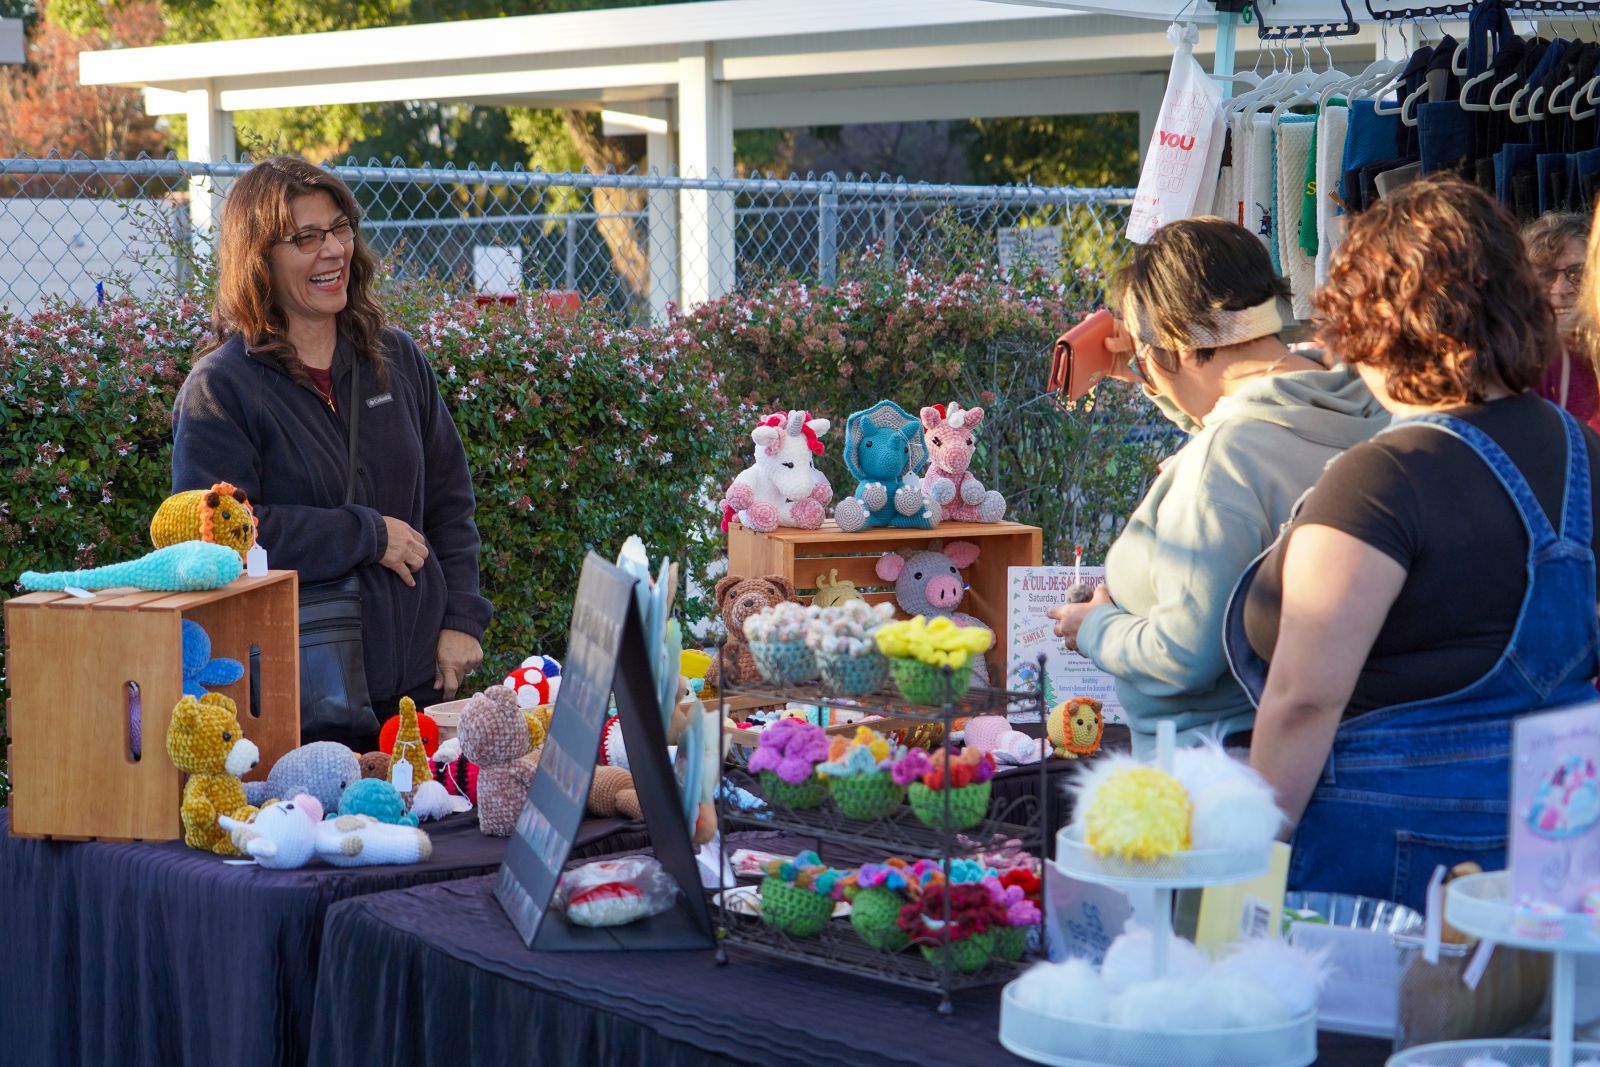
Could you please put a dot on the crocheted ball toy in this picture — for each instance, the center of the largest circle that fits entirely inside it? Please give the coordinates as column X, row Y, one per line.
column 205, row 741
column 377, row 798
column 220, row 516
column 1138, row 813
column 322, row 769
column 536, row 682
column 192, row 566
column 494, row 735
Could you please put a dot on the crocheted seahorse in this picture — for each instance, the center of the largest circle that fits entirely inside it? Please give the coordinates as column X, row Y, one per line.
column 180, row 568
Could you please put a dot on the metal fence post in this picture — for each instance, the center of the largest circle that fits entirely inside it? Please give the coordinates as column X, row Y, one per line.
column 572, row 256
column 828, row 237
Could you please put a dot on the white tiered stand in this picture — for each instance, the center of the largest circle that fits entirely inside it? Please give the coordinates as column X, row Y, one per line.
column 1072, row 1043
column 1480, row 905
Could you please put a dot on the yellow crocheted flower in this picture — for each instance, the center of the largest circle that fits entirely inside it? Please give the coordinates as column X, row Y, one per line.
column 940, row 643
column 865, row 737
column 1138, row 814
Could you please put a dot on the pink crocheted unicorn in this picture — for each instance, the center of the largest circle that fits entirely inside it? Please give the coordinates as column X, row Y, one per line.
column 951, row 435
column 782, row 488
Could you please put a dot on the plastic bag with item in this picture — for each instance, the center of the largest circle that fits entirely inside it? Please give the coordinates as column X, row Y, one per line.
column 615, row 892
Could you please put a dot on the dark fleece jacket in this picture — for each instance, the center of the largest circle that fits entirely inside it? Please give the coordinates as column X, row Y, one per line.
column 241, row 418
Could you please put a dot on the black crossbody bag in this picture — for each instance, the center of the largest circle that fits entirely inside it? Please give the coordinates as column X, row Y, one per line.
column 334, row 701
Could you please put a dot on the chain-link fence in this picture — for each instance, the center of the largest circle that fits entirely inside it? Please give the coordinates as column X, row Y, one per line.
column 85, row 229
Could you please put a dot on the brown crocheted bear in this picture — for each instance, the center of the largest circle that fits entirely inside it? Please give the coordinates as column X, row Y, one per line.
column 494, row 735
column 738, row 599
column 375, row 765
column 206, row 742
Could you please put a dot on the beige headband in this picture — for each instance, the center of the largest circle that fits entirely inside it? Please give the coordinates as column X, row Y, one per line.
column 1229, row 327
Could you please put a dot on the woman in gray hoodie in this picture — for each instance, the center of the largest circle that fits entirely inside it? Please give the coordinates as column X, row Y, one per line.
column 1205, row 312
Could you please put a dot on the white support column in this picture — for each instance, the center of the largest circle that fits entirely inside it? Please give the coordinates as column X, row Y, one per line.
column 661, row 157
column 211, row 140
column 705, row 149
column 1152, row 87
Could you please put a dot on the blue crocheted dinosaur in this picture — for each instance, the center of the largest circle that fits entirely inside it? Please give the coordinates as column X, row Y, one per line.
column 180, row 568
column 884, row 448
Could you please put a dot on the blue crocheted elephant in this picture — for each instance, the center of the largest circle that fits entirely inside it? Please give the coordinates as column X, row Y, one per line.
column 884, row 448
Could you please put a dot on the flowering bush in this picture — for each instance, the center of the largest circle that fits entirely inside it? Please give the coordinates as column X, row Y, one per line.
column 578, row 430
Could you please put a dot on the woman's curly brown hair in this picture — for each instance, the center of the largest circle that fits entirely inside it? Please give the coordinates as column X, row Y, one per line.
column 1433, row 288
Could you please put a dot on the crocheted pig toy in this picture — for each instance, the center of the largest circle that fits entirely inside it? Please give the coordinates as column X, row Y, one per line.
column 782, row 488
column 494, row 735
column 951, row 434
column 929, row 583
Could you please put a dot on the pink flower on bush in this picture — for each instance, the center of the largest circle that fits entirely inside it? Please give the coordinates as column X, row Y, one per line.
column 791, row 749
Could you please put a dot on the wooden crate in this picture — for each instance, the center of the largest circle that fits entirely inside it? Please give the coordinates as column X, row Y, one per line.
column 804, row 555
column 70, row 662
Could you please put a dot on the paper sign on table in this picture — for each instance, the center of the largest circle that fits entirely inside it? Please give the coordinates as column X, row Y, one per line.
column 1032, row 591
column 1084, row 918
column 1555, row 806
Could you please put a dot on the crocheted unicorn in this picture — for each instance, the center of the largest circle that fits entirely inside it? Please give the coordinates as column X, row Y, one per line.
column 782, row 488
column 951, row 435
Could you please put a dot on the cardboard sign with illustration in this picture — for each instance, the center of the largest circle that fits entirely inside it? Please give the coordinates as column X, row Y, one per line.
column 1031, row 592
column 1555, row 806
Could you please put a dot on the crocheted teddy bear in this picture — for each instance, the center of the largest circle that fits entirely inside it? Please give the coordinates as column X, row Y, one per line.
column 951, row 435
column 884, row 449
column 929, row 583
column 206, row 742
column 494, row 735
column 323, row 769
column 782, row 488
column 220, row 516
column 738, row 599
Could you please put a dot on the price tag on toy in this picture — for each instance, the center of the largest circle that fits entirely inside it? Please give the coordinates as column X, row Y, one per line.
column 255, row 561
column 401, row 775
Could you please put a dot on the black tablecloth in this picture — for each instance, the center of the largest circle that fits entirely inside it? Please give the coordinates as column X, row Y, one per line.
column 157, row 954
column 436, row 975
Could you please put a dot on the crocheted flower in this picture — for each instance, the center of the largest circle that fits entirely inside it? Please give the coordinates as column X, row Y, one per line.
column 855, row 761
column 784, row 621
column 890, row 874
column 791, row 749
column 910, row 767
column 847, row 628
column 1019, row 910
column 972, row 911
column 1139, row 814
column 807, row 871
column 940, row 643
column 865, row 737
column 971, row 767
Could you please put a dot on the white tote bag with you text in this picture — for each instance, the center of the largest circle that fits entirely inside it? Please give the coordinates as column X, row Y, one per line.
column 1179, row 178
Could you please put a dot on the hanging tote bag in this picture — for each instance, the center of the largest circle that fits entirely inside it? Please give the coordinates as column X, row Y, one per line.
column 1179, row 179
column 334, row 702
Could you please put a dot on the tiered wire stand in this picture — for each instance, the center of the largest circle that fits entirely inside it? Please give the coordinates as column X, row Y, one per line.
column 1061, row 1042
column 901, row 833
column 1480, row 906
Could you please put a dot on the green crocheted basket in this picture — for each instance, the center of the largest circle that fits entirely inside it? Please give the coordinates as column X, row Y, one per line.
column 797, row 912
column 1010, row 941
column 968, row 805
column 923, row 683
column 852, row 676
column 784, row 662
column 798, row 796
column 866, row 796
column 965, row 956
column 874, row 914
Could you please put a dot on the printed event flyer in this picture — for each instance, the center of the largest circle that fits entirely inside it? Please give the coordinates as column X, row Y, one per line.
column 1555, row 806
column 1032, row 591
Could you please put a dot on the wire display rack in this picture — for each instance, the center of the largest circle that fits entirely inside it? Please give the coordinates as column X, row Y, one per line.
column 1020, row 819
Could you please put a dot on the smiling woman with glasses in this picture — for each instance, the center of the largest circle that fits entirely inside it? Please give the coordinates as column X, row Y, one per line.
column 1556, row 250
column 332, row 423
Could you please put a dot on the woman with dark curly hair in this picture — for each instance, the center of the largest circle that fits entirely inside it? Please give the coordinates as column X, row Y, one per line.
column 300, row 348
column 1439, row 580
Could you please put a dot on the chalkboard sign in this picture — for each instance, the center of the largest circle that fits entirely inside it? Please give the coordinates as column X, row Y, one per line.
column 606, row 654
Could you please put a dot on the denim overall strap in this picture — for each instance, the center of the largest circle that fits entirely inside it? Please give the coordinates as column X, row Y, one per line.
column 1427, row 782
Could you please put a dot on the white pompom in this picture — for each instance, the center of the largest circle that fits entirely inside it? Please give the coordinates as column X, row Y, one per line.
column 448, row 751
column 1070, row 990
column 1163, row 1006
column 1234, row 807
column 1130, row 959
column 1294, row 974
column 1241, row 1003
column 431, row 801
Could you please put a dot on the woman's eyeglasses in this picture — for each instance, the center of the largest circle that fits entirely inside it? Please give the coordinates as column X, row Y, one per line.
column 1573, row 274
column 312, row 238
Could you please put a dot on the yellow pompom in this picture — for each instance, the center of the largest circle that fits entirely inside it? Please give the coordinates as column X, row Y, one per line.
column 1138, row 814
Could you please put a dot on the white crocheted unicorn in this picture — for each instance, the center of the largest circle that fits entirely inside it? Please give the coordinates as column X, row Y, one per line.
column 783, row 487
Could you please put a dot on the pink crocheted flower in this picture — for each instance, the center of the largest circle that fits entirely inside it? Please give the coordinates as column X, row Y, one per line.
column 790, row 748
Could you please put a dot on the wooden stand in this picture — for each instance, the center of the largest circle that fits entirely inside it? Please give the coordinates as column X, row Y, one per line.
column 73, row 664
column 803, row 556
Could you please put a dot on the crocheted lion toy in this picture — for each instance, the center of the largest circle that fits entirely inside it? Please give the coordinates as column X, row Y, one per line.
column 219, row 516
column 206, row 742
column 884, row 449
column 782, row 487
column 951, row 434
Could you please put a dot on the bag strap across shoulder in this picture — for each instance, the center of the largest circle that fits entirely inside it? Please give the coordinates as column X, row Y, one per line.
column 355, row 422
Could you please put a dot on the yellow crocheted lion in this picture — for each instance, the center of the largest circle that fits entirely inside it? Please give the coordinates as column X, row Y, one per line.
column 220, row 515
